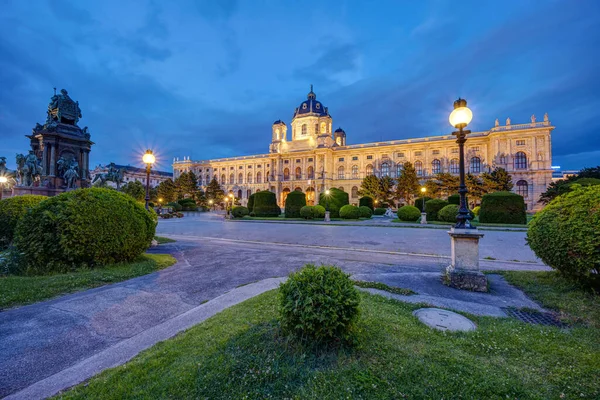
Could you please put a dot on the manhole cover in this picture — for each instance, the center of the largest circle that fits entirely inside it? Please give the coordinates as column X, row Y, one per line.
column 534, row 317
column 444, row 320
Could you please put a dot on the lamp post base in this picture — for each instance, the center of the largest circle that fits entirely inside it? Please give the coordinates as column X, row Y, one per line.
column 423, row 218
column 463, row 272
column 327, row 218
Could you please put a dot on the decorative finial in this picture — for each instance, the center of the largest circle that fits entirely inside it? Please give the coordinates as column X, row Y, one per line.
column 311, row 87
column 55, row 91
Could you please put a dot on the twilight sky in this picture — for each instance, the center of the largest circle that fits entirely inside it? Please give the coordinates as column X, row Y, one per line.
column 207, row 79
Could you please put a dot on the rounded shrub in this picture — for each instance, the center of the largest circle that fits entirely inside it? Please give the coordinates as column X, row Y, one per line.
column 566, row 234
column 432, row 208
column 11, row 211
column 475, row 211
column 454, row 199
column 448, row 213
column 307, row 212
column 379, row 211
column 409, row 213
column 337, row 199
column 319, row 211
column 187, row 205
column 318, row 304
column 239, row 211
column 349, row 212
column 85, row 227
column 366, row 201
column 365, row 212
column 421, row 201
column 293, row 203
column 251, row 202
column 176, row 206
column 502, row 208
column 265, row 204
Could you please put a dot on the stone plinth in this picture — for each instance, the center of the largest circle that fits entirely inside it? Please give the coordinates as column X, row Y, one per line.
column 463, row 272
column 327, row 217
column 37, row 190
column 423, row 218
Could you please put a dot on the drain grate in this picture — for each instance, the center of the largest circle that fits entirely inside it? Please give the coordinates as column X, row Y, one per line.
column 535, row 317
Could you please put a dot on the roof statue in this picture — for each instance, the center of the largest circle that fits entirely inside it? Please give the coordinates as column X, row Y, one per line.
column 546, row 117
column 62, row 109
column 533, row 118
column 507, row 121
column 497, row 123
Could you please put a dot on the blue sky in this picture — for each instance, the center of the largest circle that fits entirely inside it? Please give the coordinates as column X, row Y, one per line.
column 206, row 79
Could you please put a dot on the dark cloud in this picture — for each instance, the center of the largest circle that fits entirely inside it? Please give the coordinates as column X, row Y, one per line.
column 332, row 60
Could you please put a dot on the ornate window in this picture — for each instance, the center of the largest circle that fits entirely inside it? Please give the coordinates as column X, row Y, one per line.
column 341, row 173
column 249, row 177
column 231, row 179
column 520, row 160
column 311, row 172
column 239, row 194
column 523, row 188
column 369, row 170
column 436, row 166
column 248, row 193
column 341, row 159
column 304, row 129
column 399, row 167
column 520, row 143
column 419, row 168
column 502, row 159
column 259, row 177
column 355, row 172
column 207, row 179
column 354, row 192
column 454, row 166
column 355, row 158
column 298, row 173
column 240, row 178
column 385, row 169
column 475, row 165
column 322, row 124
column 199, row 180
column 267, row 176
column 286, row 174
column 223, row 179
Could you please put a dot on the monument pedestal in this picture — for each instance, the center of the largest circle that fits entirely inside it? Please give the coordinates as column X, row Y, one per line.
column 423, row 218
column 463, row 272
column 327, row 217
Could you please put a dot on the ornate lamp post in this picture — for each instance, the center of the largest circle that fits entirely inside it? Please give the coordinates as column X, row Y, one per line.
column 149, row 160
column 210, row 204
column 327, row 215
column 3, row 181
column 460, row 118
column 230, row 205
column 423, row 213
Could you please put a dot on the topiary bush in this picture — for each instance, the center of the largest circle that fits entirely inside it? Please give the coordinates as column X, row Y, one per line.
column 239, row 211
column 421, row 201
column 432, row 207
column 454, row 199
column 11, row 212
column 307, row 212
column 349, row 212
column 251, row 202
column 265, row 204
column 365, row 212
column 408, row 213
column 366, row 201
column 319, row 211
column 448, row 213
column 475, row 211
column 85, row 227
column 318, row 304
column 566, row 234
column 176, row 206
column 187, row 205
column 337, row 199
column 293, row 203
column 379, row 211
column 502, row 208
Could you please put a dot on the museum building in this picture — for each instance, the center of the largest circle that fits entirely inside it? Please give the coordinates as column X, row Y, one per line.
column 314, row 157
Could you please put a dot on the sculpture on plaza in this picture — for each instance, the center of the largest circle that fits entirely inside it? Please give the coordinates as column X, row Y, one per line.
column 113, row 174
column 29, row 169
column 68, row 170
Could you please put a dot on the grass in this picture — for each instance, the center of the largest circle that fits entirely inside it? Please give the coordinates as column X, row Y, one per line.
column 383, row 286
column 574, row 304
column 21, row 290
column 241, row 353
column 163, row 240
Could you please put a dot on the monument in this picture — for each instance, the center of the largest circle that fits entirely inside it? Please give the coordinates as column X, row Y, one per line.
column 59, row 157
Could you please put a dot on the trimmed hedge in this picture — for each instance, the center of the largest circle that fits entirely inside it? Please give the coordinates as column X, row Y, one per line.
column 265, row 204
column 251, row 202
column 239, row 211
column 448, row 213
column 337, row 199
column 454, row 199
column 11, row 212
column 419, row 202
column 176, row 206
column 379, row 211
column 307, row 212
column 85, row 227
column 293, row 203
column 349, row 212
column 502, row 208
column 566, row 235
column 188, row 205
column 408, row 213
column 319, row 211
column 366, row 201
column 432, row 208
column 365, row 212
column 318, row 304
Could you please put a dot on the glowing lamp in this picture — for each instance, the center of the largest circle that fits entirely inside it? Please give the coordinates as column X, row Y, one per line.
column 423, row 190
column 148, row 157
column 461, row 116
column 327, row 192
column 3, row 179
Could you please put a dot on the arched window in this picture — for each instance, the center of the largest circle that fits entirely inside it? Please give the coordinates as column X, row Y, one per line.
column 385, row 169
column 341, row 188
column 341, row 173
column 240, row 178
column 199, row 180
column 303, row 129
column 475, row 165
column 355, row 172
column 249, row 177
column 354, row 192
column 369, row 170
column 259, row 177
column 399, row 168
column 286, row 174
column 523, row 188
column 502, row 159
column 311, row 173
column 436, row 166
column 267, row 176
column 419, row 168
column 207, row 179
column 520, row 160
column 223, row 179
column 248, row 193
column 298, row 173
column 239, row 196
column 454, row 166
column 231, row 179
column 323, row 127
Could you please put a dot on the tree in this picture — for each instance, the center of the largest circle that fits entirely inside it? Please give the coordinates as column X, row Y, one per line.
column 186, row 185
column 369, row 187
column 134, row 189
column 214, row 191
column 564, row 185
column 408, row 183
column 433, row 188
column 448, row 183
column 166, row 191
column 475, row 187
column 386, row 190
column 380, row 189
column 497, row 181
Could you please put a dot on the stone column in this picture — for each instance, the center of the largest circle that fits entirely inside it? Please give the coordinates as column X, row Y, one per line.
column 52, row 160
column 45, row 160
column 463, row 272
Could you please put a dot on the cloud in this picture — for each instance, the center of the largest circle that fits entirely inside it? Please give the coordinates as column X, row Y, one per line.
column 336, row 62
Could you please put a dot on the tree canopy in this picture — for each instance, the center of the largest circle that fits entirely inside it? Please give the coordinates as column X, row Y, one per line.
column 408, row 183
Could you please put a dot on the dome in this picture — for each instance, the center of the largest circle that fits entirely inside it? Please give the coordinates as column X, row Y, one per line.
column 338, row 130
column 311, row 107
column 279, row 122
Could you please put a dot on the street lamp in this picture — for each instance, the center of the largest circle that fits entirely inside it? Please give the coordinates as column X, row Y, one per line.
column 148, row 159
column 3, row 181
column 327, row 215
column 210, row 203
column 460, row 118
column 230, row 206
column 423, row 190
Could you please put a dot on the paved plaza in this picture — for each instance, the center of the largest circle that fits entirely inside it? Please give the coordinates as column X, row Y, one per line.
column 215, row 257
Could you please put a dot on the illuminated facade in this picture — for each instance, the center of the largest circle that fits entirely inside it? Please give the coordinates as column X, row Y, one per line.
column 315, row 157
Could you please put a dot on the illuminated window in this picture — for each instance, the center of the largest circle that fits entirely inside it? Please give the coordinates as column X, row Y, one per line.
column 355, row 172
column 354, row 192
column 341, row 173
column 523, row 188
column 298, row 173
column 385, row 169
column 399, row 170
column 520, row 142
column 436, row 166
column 454, row 166
column 520, row 160
column 311, row 172
column 304, row 129
column 286, row 174
column 369, row 170
column 419, row 168
column 475, row 165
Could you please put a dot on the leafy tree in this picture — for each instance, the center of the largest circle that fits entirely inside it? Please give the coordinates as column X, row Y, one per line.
column 564, row 185
column 186, row 185
column 214, row 191
column 134, row 189
column 408, row 183
column 433, row 188
column 386, row 190
column 166, row 191
column 381, row 189
column 475, row 187
column 369, row 187
column 497, row 181
column 448, row 183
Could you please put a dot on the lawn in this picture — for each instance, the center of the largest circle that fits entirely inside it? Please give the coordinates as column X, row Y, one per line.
column 241, row 353
column 21, row 290
column 163, row 240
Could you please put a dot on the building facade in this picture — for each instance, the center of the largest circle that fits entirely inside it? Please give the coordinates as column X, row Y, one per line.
column 314, row 157
column 131, row 174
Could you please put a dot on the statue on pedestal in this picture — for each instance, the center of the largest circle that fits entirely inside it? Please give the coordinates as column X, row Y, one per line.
column 68, row 170
column 29, row 168
column 113, row 174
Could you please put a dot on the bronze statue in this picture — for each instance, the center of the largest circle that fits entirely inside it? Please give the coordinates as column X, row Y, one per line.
column 29, row 169
column 113, row 174
column 68, row 170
